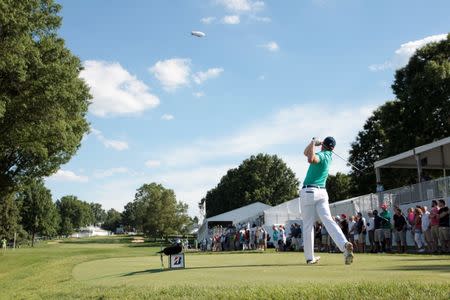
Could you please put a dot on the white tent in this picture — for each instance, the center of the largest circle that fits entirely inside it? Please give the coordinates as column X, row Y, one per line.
column 246, row 214
column 280, row 214
column 90, row 231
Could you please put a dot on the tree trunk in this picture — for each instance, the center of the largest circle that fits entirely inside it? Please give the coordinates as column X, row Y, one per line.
column 32, row 240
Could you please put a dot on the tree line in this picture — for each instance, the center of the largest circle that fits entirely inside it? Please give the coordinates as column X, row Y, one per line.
column 154, row 212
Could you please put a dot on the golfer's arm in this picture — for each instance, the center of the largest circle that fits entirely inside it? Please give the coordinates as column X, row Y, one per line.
column 309, row 153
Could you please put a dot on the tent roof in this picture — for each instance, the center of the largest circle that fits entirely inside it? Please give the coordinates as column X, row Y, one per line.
column 241, row 214
column 289, row 207
column 435, row 155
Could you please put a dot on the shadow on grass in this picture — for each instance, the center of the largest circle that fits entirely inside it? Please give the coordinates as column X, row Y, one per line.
column 151, row 271
column 98, row 241
column 430, row 268
column 444, row 258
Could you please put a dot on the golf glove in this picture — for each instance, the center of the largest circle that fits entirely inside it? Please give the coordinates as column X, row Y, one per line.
column 317, row 141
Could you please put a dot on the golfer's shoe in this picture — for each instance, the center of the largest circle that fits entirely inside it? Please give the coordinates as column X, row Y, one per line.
column 348, row 253
column 313, row 261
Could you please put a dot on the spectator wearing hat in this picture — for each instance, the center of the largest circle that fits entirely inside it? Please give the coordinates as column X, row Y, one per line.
column 385, row 216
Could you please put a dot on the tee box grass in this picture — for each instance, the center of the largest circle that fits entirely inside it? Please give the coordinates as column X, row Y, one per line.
column 115, row 268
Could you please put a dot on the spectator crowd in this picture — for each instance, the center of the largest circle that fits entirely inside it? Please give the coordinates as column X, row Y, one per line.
column 381, row 232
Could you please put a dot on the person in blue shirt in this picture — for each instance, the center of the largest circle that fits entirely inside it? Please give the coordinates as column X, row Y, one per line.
column 314, row 199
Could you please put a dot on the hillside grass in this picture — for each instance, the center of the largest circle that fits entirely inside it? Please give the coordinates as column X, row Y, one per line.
column 114, row 268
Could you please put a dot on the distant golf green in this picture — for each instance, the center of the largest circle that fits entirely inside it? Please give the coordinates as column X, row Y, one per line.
column 114, row 268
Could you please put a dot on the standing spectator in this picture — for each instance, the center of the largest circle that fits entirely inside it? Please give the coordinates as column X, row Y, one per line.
column 371, row 230
column 444, row 226
column 418, row 235
column 379, row 237
column 4, row 245
column 344, row 225
column 385, row 216
column 360, row 232
column 400, row 227
column 434, row 223
column 351, row 230
column 325, row 239
column 266, row 237
column 318, row 235
column 411, row 218
column 426, row 228
column 275, row 237
column 282, row 238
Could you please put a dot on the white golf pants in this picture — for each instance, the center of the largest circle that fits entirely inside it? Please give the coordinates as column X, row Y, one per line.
column 312, row 201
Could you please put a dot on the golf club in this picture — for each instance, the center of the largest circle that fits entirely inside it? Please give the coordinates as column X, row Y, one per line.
column 348, row 163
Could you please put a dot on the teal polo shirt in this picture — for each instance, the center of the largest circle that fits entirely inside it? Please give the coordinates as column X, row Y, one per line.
column 318, row 173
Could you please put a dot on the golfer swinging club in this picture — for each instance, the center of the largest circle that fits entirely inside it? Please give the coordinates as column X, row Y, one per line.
column 314, row 198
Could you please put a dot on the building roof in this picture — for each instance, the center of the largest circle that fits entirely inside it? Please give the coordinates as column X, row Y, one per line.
column 434, row 155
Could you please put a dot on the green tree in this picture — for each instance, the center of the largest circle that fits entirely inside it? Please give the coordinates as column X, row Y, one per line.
column 74, row 214
column 38, row 212
column 156, row 212
column 419, row 115
column 98, row 213
column 113, row 220
column 9, row 217
column 129, row 219
column 43, row 101
column 264, row 178
column 423, row 88
column 338, row 187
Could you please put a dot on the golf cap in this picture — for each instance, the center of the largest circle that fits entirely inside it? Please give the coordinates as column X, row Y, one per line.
column 329, row 142
column 344, row 216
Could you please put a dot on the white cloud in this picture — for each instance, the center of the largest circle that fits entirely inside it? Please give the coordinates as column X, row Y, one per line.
column 231, row 20
column 115, row 144
column 406, row 50
column 167, row 117
column 152, row 163
column 115, row 91
column 110, row 172
column 198, row 94
column 200, row 77
column 284, row 128
column 241, row 6
column 68, row 176
column 271, row 46
column 207, row 20
column 172, row 73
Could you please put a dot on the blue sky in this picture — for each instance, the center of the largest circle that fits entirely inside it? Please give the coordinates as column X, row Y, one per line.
column 179, row 110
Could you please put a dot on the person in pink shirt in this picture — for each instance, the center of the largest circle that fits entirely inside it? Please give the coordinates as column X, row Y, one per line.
column 434, row 223
column 411, row 222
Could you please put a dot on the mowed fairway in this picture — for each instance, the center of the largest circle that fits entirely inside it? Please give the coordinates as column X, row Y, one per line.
column 113, row 268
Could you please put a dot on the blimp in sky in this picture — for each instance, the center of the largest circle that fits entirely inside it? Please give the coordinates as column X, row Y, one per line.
column 198, row 33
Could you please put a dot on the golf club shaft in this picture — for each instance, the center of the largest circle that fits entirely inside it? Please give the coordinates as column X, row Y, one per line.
column 346, row 161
